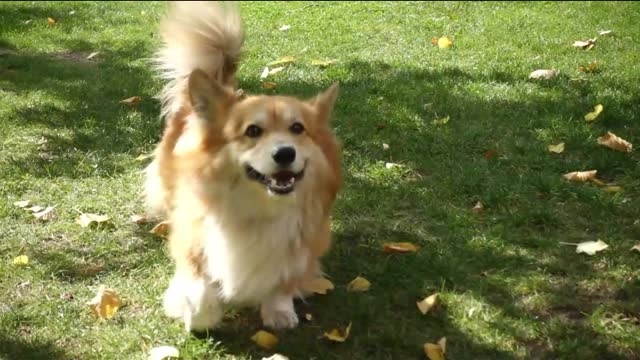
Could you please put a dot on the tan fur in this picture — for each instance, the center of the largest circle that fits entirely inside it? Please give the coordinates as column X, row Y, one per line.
column 217, row 213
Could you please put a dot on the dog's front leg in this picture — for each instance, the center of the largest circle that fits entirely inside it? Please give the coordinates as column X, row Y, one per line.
column 194, row 299
column 278, row 312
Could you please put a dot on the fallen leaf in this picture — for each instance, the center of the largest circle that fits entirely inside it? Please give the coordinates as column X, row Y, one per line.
column 276, row 70
column 478, row 207
column 337, row 335
column 385, row 146
column 163, row 352
column 613, row 189
column 22, row 204
column 161, row 229
column 46, row 214
column 605, row 32
column 308, row 317
column 489, row 154
column 265, row 339
column 323, row 62
column 21, row 260
column 265, row 73
column 318, row 285
column 93, row 54
column 139, row 219
column 105, row 304
column 636, row 248
column 445, row 43
column 285, row 27
column 580, row 176
column 399, row 247
column 593, row 115
column 427, row 303
column 28, row 22
column 51, row 21
column 436, row 351
column 276, row 357
column 441, row 121
column 434, row 41
column 67, row 296
column 132, row 101
column 35, row 208
column 591, row 68
column 85, row 220
column 284, row 60
column 389, row 165
column 598, row 181
column 544, row 74
column 585, row 44
column 145, row 156
column 614, row 142
column 268, row 85
column 559, row 148
column 591, row 247
column 359, row 284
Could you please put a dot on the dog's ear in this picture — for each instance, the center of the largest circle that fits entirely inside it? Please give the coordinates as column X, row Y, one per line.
column 208, row 98
column 324, row 103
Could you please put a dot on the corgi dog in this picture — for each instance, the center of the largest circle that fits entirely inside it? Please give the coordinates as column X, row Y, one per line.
column 247, row 182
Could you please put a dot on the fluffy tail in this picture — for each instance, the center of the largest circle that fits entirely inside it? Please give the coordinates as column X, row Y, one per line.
column 198, row 35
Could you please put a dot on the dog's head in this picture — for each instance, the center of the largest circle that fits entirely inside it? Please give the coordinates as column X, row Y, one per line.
column 274, row 143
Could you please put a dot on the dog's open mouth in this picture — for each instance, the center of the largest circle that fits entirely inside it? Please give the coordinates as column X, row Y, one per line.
column 280, row 183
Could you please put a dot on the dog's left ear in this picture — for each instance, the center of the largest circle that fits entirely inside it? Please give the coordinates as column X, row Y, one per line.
column 324, row 103
column 208, row 98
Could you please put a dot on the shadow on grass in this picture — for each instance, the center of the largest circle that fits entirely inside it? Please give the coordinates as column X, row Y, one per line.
column 15, row 348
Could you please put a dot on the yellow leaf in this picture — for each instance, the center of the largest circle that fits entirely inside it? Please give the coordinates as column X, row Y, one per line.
column 441, row 121
column 105, row 304
column 284, row 60
column 636, row 248
column 597, row 181
column 434, row 41
column 427, row 303
column 337, row 335
column 46, row 214
column 268, row 85
column 400, row 247
column 85, row 220
column 559, row 148
column 358, row 284
column 318, row 285
column 445, row 43
column 265, row 339
column 614, row 142
column 163, row 352
column 139, row 219
column 22, row 204
column 591, row 68
column 132, row 101
column 478, row 208
column 591, row 247
column 51, row 21
column 581, row 176
column 544, row 74
column 161, row 229
column 436, row 351
column 21, row 260
column 594, row 114
column 613, row 189
column 323, row 62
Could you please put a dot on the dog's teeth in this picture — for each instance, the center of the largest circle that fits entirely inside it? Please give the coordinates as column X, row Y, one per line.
column 291, row 181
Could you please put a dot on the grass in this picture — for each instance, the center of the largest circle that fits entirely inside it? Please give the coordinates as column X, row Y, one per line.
column 509, row 289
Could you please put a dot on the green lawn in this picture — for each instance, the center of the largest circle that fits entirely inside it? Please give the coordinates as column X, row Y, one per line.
column 509, row 289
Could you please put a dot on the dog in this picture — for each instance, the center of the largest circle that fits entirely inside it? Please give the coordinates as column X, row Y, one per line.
column 247, row 182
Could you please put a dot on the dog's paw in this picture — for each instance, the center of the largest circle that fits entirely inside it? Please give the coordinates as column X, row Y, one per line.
column 280, row 319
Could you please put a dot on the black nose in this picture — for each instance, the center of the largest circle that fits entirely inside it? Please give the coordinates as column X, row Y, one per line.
column 284, row 155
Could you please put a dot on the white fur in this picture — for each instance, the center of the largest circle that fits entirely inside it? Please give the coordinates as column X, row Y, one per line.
column 278, row 312
column 193, row 300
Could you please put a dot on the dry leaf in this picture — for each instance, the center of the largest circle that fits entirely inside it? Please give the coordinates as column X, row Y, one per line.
column 22, row 204
column 105, row 304
column 636, row 248
column 591, row 247
column 35, row 209
column 276, row 70
column 265, row 340
column 145, row 156
column 132, row 101
column 597, row 181
column 385, row 146
column 613, row 189
column 604, row 32
column 445, row 43
column 265, row 73
column 585, row 44
column 318, row 285
column 436, row 351
column 51, row 21
column 139, row 219
column 308, row 317
column 161, row 229
column 21, row 260
column 93, row 54
column 359, row 284
column 28, row 22
column 323, row 62
column 427, row 303
column 276, row 357
column 434, row 41
column 285, row 27
column 390, row 165
column 399, row 247
column 72, row 12
column 591, row 68
column 268, row 85
column 46, row 214
column 441, row 121
column 593, row 115
column 85, row 220
column 478, row 207
column 614, row 142
column 580, row 176
column 544, row 74
column 163, row 352
column 559, row 148
column 284, row 60
column 337, row 335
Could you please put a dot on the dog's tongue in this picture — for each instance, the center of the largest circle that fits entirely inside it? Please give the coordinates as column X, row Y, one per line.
column 283, row 176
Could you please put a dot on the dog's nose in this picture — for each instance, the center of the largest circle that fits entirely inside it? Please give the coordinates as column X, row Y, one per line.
column 284, row 155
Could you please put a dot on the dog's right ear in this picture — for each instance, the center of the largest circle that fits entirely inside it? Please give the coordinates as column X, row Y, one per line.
column 208, row 98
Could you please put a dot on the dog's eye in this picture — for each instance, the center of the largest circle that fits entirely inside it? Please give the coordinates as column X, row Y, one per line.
column 253, row 131
column 297, row 128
